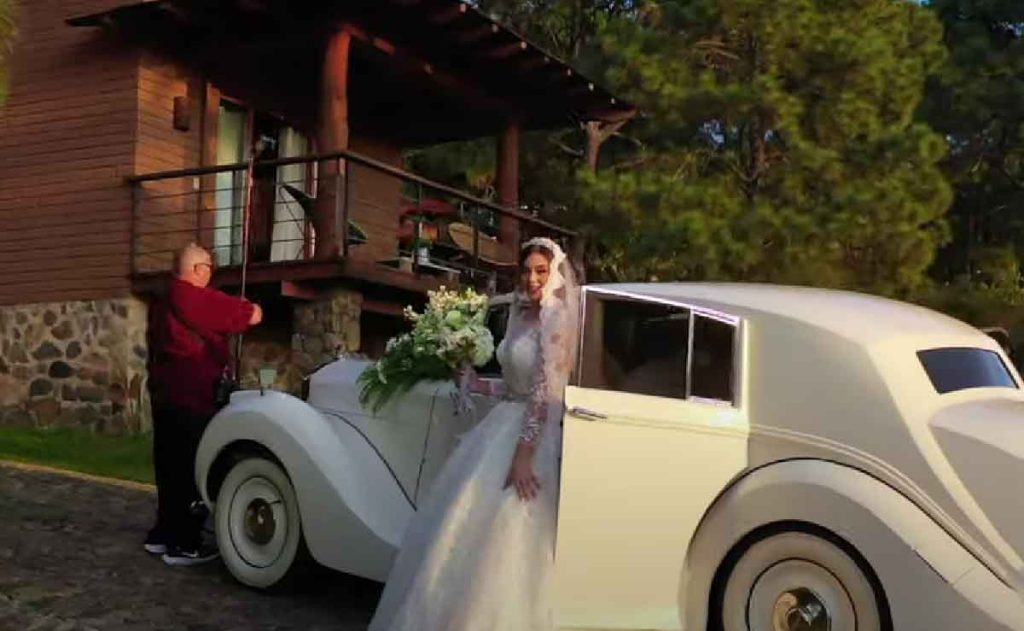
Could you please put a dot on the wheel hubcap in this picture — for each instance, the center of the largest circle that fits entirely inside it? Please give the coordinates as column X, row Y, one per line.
column 800, row 609
column 260, row 523
column 799, row 595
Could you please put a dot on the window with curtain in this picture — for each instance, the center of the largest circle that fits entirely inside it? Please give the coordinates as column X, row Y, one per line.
column 230, row 193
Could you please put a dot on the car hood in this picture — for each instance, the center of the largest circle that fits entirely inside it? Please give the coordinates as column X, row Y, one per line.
column 335, row 386
column 984, row 442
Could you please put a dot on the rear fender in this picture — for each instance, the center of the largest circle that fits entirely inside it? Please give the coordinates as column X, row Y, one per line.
column 353, row 510
column 929, row 579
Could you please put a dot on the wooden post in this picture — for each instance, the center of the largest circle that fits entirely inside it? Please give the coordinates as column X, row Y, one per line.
column 332, row 135
column 507, row 184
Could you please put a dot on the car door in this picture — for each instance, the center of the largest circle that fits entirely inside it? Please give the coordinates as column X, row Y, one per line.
column 655, row 428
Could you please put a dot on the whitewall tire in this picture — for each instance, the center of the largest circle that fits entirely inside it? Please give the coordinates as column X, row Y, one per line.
column 259, row 531
column 795, row 581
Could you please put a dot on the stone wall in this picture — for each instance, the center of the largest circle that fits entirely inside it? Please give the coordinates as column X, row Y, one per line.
column 75, row 364
column 318, row 333
column 83, row 364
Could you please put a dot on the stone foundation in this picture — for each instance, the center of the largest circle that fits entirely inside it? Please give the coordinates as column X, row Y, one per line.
column 318, row 333
column 83, row 364
column 79, row 364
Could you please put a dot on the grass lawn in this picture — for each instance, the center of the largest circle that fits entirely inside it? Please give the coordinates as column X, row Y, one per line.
column 124, row 457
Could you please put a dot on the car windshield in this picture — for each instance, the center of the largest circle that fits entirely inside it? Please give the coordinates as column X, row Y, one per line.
column 953, row 369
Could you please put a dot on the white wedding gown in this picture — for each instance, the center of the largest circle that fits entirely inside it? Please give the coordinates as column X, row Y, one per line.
column 475, row 557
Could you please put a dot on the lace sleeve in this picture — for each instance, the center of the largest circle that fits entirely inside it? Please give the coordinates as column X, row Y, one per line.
column 537, row 405
column 547, row 391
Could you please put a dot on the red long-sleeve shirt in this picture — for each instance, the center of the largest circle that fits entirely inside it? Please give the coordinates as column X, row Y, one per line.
column 188, row 341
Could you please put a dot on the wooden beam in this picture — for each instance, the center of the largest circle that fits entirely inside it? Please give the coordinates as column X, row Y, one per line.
column 448, row 15
column 332, row 135
column 472, row 36
column 583, row 88
column 443, row 78
column 508, row 186
column 261, row 6
column 297, row 271
column 292, row 289
column 384, row 308
column 507, row 181
column 383, row 45
column 508, row 50
column 172, row 10
column 532, row 63
column 561, row 76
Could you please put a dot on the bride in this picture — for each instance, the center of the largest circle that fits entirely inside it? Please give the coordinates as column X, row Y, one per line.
column 479, row 553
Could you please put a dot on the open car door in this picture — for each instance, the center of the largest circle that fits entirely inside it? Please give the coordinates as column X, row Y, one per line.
column 654, row 430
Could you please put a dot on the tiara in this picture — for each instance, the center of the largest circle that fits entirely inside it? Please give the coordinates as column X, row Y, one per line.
column 543, row 242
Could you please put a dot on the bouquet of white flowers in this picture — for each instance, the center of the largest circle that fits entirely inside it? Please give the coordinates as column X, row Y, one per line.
column 450, row 335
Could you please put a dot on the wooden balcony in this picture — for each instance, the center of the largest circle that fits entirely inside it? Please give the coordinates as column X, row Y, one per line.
column 388, row 228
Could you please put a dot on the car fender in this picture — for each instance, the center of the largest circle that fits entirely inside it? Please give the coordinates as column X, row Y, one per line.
column 930, row 580
column 353, row 510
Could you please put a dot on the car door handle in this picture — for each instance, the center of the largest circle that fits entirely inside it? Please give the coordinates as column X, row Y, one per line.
column 589, row 415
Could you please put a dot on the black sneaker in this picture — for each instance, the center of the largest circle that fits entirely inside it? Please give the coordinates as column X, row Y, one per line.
column 155, row 544
column 199, row 510
column 189, row 556
column 202, row 515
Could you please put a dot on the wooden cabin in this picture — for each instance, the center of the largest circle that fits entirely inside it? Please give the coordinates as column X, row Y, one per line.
column 272, row 133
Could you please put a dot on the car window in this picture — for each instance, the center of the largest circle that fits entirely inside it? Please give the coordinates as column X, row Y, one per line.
column 635, row 346
column 497, row 320
column 711, row 370
column 952, row 369
column 642, row 347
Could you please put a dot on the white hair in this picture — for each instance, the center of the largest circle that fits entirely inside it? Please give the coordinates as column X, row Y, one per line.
column 188, row 257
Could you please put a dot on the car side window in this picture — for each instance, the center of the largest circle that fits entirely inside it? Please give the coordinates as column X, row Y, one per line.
column 634, row 346
column 497, row 321
column 656, row 349
column 711, row 371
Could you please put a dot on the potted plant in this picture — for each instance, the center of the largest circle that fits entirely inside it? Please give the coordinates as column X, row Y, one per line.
column 421, row 248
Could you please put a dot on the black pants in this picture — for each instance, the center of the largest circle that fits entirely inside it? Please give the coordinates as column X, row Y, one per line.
column 176, row 434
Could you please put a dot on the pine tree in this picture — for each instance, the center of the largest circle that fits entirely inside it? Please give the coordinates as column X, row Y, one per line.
column 779, row 143
column 977, row 101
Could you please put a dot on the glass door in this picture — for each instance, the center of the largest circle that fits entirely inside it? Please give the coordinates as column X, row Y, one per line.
column 230, row 186
column 293, row 202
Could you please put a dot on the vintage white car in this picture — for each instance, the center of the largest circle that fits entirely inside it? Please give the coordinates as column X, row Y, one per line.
column 734, row 457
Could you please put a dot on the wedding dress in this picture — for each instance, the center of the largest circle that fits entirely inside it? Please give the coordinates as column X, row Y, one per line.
column 475, row 556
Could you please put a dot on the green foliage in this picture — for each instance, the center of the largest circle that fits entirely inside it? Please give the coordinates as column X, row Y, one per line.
column 467, row 165
column 401, row 368
column 790, row 141
column 448, row 336
column 124, row 457
column 568, row 29
column 779, row 144
column 977, row 304
column 565, row 28
column 977, row 101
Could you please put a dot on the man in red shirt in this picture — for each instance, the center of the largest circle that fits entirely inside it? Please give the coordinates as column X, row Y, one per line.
column 188, row 339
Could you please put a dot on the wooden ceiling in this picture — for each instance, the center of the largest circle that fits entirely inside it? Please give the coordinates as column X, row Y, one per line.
column 423, row 71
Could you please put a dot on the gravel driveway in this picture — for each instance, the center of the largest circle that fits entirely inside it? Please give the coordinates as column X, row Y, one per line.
column 71, row 559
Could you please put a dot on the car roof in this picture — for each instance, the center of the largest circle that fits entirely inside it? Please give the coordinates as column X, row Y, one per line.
column 857, row 316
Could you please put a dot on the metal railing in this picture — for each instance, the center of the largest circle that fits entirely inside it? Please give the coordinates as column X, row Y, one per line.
column 368, row 210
